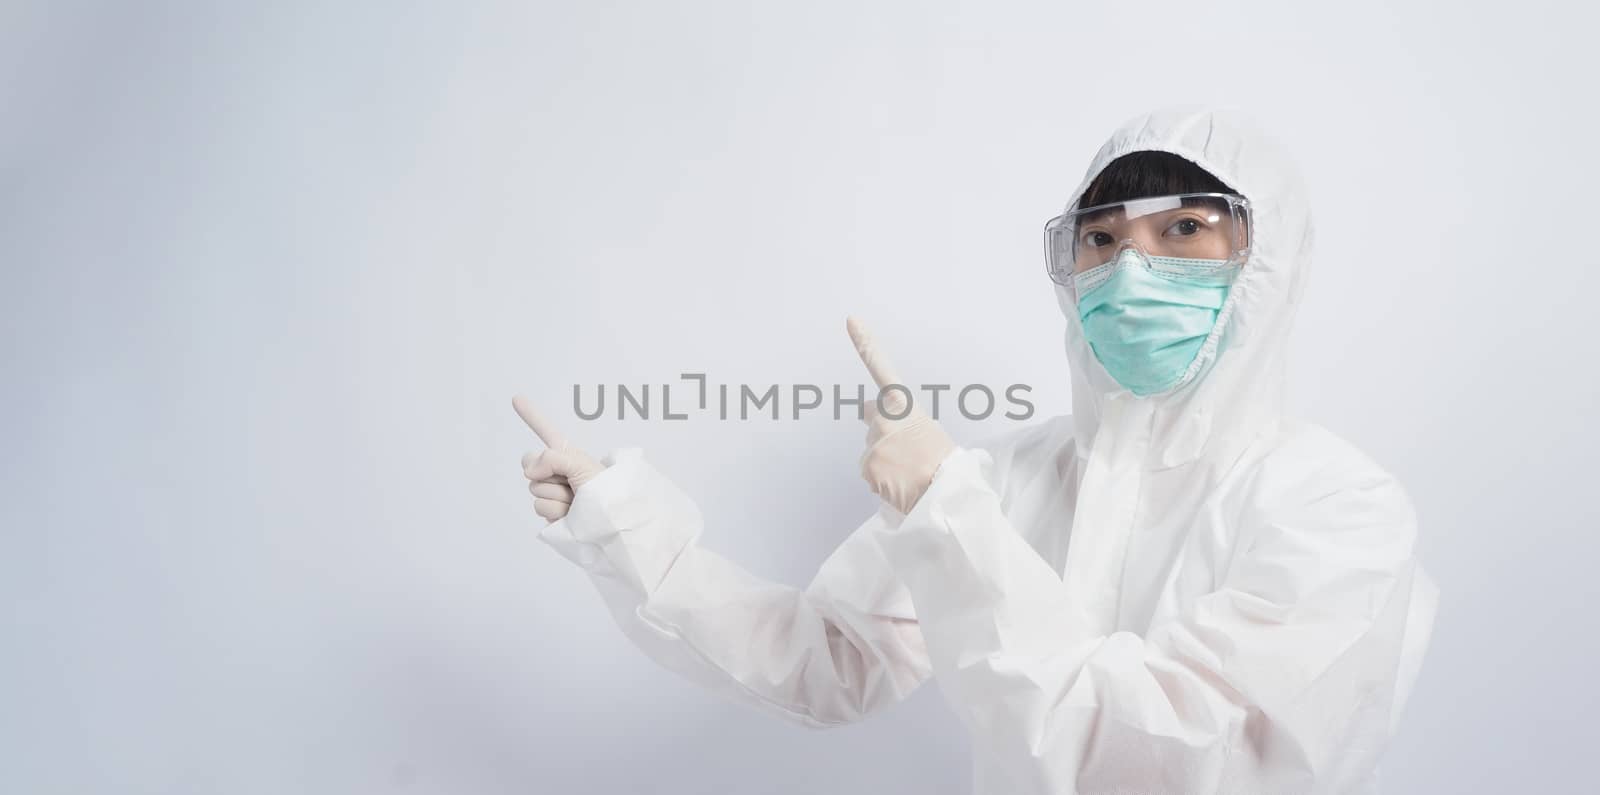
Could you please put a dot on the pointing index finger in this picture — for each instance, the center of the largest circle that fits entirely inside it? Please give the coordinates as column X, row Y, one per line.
column 541, row 427
column 866, row 347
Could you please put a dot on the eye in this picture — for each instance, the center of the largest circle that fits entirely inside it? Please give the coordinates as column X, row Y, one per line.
column 1185, row 227
column 1096, row 238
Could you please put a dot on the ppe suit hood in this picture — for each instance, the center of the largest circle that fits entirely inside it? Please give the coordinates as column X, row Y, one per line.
column 1236, row 392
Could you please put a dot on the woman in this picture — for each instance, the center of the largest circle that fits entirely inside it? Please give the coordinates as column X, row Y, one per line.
column 1175, row 589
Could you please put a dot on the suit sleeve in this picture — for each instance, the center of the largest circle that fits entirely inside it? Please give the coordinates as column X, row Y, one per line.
column 831, row 653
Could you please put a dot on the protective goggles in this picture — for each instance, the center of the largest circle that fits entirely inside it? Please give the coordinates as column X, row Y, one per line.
column 1185, row 226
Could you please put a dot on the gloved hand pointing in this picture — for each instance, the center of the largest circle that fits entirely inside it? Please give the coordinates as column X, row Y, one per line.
column 556, row 473
column 902, row 454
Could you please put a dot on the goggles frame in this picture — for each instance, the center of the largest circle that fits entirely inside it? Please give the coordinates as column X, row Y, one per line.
column 1060, row 264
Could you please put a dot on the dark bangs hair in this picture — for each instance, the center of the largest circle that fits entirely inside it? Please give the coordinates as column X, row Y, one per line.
column 1140, row 175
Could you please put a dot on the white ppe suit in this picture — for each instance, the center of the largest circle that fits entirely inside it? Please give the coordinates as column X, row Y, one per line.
column 1185, row 593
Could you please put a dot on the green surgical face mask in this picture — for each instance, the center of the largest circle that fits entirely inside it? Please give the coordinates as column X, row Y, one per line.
column 1146, row 318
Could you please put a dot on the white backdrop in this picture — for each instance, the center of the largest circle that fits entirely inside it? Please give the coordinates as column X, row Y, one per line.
column 272, row 274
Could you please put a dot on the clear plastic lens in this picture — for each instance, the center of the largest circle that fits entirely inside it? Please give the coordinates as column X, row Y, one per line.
column 1191, row 226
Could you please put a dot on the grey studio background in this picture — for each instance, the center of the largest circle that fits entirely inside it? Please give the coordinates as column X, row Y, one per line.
column 272, row 273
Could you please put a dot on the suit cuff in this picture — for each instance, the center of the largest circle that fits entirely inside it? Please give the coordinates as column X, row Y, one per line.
column 628, row 524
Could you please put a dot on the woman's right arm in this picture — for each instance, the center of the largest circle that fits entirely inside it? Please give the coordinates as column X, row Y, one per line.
column 843, row 647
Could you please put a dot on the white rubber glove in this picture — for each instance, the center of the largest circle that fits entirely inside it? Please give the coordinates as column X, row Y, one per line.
column 902, row 454
column 555, row 473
